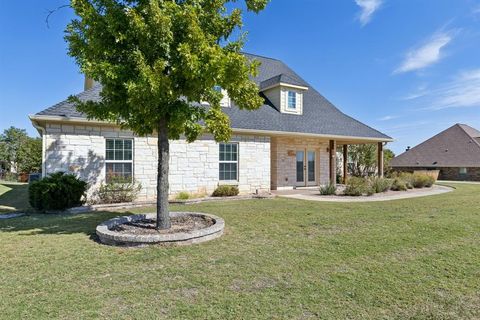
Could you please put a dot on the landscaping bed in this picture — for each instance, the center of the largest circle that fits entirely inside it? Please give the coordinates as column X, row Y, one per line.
column 179, row 224
column 139, row 230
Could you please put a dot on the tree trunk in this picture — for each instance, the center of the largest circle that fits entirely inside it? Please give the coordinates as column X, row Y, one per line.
column 163, row 218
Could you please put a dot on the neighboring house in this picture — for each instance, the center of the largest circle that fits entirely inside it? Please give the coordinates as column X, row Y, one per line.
column 455, row 152
column 289, row 142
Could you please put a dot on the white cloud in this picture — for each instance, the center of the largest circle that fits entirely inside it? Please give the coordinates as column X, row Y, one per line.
column 368, row 8
column 426, row 54
column 421, row 91
column 462, row 91
column 388, row 117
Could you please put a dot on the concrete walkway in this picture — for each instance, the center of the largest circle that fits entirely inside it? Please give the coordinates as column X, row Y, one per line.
column 314, row 195
column 461, row 182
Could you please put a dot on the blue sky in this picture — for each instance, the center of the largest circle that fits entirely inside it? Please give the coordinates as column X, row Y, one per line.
column 409, row 68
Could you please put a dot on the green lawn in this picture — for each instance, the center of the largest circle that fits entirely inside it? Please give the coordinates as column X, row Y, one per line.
column 13, row 196
column 278, row 259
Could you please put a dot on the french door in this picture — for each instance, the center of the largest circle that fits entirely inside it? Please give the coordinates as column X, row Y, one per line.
column 306, row 168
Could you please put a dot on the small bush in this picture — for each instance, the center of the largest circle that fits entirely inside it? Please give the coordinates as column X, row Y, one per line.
column 225, row 191
column 399, row 185
column 407, row 178
column 183, row 196
column 56, row 192
column 430, row 181
column 118, row 190
column 381, row 184
column 328, row 190
column 358, row 186
column 422, row 180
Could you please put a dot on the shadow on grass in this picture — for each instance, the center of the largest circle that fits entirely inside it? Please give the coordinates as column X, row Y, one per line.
column 36, row 224
column 13, row 197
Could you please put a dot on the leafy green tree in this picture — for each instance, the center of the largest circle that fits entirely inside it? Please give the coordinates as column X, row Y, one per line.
column 156, row 60
column 362, row 159
column 30, row 156
column 11, row 141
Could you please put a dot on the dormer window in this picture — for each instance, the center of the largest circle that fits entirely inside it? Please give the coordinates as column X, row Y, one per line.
column 285, row 92
column 292, row 100
column 225, row 102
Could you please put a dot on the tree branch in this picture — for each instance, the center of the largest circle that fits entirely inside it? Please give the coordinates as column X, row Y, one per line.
column 50, row 12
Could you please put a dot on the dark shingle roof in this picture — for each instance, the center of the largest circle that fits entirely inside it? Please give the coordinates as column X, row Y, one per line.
column 281, row 78
column 319, row 115
column 458, row 146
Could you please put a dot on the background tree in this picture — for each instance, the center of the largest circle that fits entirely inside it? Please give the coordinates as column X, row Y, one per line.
column 363, row 159
column 156, row 59
column 29, row 156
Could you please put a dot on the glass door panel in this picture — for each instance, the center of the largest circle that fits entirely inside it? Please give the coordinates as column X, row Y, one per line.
column 300, row 167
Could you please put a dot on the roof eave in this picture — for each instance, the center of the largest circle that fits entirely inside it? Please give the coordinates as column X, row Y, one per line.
column 359, row 139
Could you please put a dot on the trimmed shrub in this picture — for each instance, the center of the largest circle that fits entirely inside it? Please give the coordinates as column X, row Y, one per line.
column 357, row 186
column 183, row 196
column 407, row 178
column 57, row 192
column 399, row 185
column 225, row 191
column 422, row 180
column 328, row 190
column 118, row 190
column 381, row 184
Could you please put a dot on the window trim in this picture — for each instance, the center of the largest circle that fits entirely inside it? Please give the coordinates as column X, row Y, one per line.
column 120, row 161
column 229, row 181
column 460, row 169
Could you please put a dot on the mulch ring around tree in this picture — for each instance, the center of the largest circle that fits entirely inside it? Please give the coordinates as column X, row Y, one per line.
column 179, row 224
column 139, row 230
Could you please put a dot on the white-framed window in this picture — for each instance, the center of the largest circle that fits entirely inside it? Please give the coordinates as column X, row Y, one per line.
column 225, row 102
column 463, row 170
column 228, row 162
column 292, row 100
column 119, row 159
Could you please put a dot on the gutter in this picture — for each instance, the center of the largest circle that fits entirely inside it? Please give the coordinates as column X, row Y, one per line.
column 41, row 130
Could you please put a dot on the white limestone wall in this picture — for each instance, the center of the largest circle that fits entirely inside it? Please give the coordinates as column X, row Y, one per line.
column 193, row 167
column 283, row 160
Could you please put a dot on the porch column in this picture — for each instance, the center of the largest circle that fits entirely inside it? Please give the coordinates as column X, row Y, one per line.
column 380, row 159
column 345, row 162
column 333, row 162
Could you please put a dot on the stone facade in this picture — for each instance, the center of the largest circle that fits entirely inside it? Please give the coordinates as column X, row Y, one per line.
column 448, row 173
column 194, row 167
column 283, row 160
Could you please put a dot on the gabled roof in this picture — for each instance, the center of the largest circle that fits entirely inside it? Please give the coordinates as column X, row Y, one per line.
column 320, row 117
column 458, row 146
column 281, row 79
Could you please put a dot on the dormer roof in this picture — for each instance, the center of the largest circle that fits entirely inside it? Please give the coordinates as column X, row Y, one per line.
column 282, row 79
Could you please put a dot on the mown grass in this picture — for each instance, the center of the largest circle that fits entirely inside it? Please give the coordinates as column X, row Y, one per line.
column 278, row 259
column 13, row 196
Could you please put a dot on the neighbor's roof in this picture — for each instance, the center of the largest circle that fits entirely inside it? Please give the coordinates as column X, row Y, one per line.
column 319, row 116
column 458, row 146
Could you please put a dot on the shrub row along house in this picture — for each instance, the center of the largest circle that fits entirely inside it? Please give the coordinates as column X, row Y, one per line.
column 455, row 152
column 289, row 142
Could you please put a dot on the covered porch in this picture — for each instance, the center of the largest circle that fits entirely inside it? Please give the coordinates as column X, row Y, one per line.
column 302, row 162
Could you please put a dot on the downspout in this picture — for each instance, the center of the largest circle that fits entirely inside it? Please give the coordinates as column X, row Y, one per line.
column 42, row 132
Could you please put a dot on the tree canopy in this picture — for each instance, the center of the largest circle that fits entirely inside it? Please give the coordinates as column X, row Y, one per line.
column 158, row 59
column 159, row 62
column 19, row 152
